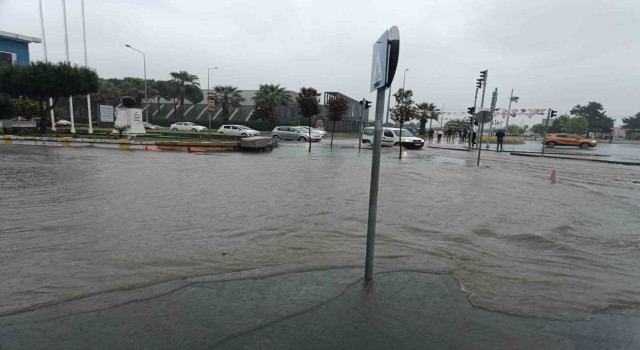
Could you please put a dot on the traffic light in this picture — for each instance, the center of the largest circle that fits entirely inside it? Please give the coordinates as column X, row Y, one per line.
column 367, row 104
column 553, row 113
column 483, row 75
column 471, row 110
column 478, row 83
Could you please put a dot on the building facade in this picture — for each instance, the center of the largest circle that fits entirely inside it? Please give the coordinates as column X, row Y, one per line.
column 14, row 48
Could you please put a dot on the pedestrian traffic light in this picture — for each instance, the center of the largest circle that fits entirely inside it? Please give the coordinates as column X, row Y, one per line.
column 553, row 113
column 471, row 110
column 367, row 104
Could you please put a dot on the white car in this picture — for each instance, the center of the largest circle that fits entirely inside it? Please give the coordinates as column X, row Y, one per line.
column 393, row 137
column 314, row 130
column 240, row 130
column 187, row 126
column 62, row 122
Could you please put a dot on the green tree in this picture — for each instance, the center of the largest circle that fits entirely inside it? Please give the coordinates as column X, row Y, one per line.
column 404, row 111
column 133, row 87
column 337, row 109
column 185, row 85
column 595, row 115
column 457, row 123
column 426, row 111
column 227, row 96
column 42, row 80
column 28, row 108
column 577, row 125
column 631, row 124
column 269, row 97
column 308, row 105
column 7, row 107
column 515, row 129
column 538, row 129
column 559, row 124
column 109, row 93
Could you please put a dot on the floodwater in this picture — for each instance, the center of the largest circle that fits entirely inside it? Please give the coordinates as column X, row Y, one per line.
column 81, row 221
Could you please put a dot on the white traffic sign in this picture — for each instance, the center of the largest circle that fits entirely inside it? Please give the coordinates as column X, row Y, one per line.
column 379, row 62
column 106, row 114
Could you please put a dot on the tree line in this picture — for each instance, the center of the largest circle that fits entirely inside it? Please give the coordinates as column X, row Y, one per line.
column 26, row 89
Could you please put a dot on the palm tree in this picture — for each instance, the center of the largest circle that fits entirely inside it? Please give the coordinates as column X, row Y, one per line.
column 227, row 96
column 184, row 81
column 426, row 111
column 338, row 107
column 269, row 97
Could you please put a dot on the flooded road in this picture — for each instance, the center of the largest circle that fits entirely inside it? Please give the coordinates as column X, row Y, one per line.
column 81, row 221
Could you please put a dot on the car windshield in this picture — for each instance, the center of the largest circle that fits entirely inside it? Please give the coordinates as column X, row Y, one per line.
column 403, row 133
column 244, row 127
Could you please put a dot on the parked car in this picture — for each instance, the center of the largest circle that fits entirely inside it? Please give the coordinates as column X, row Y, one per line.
column 187, row 126
column 294, row 133
column 240, row 130
column 553, row 140
column 62, row 122
column 393, row 137
column 317, row 131
column 151, row 126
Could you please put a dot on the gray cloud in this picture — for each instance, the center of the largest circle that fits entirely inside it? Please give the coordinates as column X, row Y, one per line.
column 553, row 53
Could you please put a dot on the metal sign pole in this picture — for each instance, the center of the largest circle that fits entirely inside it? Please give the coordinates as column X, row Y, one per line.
column 385, row 61
column 373, row 189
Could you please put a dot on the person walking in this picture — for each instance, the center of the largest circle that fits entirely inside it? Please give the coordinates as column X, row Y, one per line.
column 440, row 133
column 473, row 139
column 430, row 135
column 500, row 137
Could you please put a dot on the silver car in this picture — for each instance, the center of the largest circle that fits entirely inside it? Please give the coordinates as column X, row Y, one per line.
column 239, row 130
column 187, row 126
column 314, row 130
column 294, row 133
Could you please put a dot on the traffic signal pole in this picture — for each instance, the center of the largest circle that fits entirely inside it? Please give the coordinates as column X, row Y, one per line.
column 485, row 76
column 550, row 113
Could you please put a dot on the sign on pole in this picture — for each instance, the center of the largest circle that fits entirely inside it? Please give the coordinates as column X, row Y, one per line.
column 106, row 114
column 383, row 66
column 379, row 62
column 211, row 105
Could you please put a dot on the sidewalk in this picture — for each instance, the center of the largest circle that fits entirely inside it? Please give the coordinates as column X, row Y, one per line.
column 326, row 309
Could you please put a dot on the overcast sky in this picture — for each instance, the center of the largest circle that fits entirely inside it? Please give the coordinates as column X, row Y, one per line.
column 553, row 53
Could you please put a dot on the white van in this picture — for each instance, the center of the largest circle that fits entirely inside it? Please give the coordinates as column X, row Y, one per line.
column 393, row 137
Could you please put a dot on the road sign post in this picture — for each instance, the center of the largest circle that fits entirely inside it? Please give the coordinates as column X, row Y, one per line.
column 482, row 117
column 383, row 67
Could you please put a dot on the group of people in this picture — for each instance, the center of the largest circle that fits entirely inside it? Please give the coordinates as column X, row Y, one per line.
column 450, row 135
column 463, row 135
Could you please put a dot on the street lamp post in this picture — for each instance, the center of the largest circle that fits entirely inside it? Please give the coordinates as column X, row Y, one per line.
column 404, row 77
column 46, row 59
column 144, row 62
column 84, row 39
column 511, row 99
column 208, row 97
column 66, row 45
